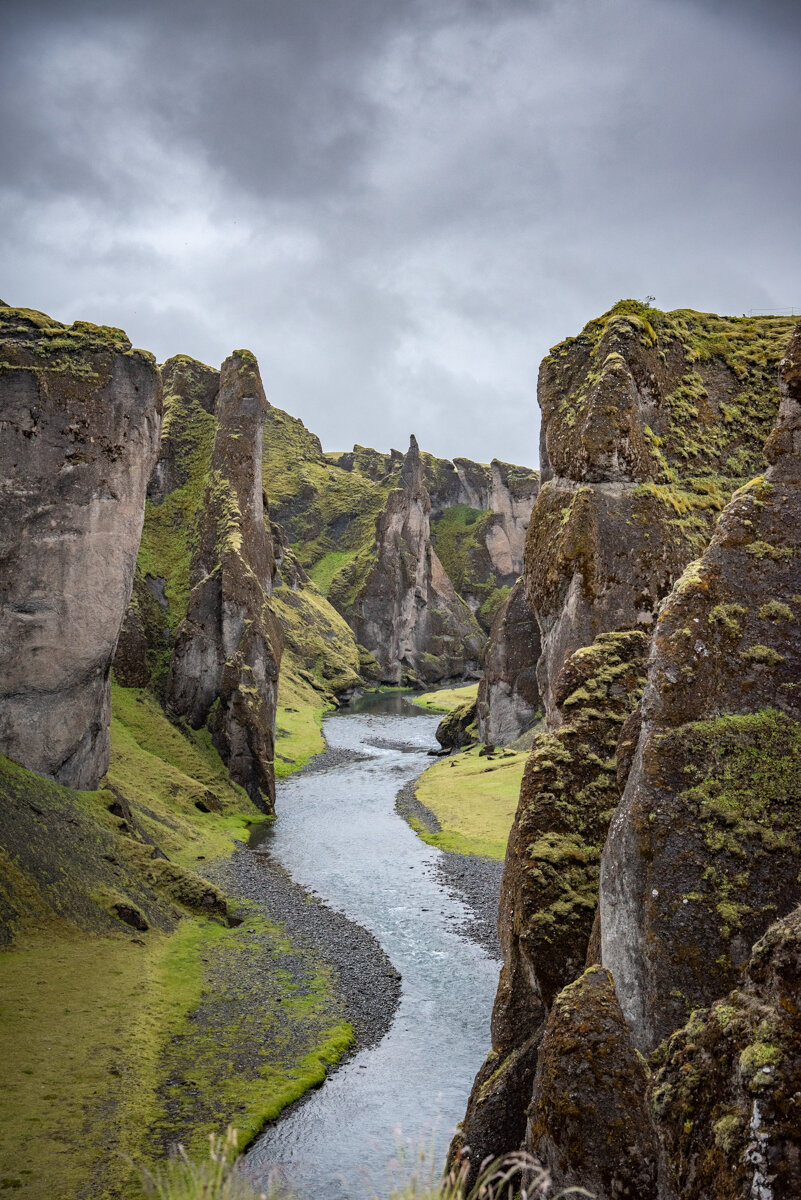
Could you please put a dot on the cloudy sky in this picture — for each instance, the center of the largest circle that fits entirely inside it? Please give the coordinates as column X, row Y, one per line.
column 398, row 205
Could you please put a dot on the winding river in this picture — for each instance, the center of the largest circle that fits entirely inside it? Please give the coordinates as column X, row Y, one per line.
column 339, row 835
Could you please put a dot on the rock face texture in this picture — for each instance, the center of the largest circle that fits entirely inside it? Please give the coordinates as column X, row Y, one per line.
column 704, row 851
column 649, row 421
column 589, row 1122
column 407, row 612
column 79, row 415
column 508, row 695
column 549, row 890
column 727, row 1089
column 224, row 668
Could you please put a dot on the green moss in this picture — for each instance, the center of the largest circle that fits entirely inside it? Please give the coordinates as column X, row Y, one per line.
column 459, row 537
column 765, row 656
column 776, row 610
column 730, row 616
column 761, row 550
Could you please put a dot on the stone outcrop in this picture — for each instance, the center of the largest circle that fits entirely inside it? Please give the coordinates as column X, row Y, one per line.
column 458, row 728
column 704, row 852
column 79, row 415
column 649, row 422
column 508, row 695
column 549, row 889
column 407, row 612
column 726, row 1092
column 589, row 1120
column 224, row 669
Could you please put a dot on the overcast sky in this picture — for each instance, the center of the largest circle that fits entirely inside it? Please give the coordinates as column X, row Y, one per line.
column 399, row 206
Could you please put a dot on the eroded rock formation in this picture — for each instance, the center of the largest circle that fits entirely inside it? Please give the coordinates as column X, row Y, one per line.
column 79, row 413
column 407, row 612
column 549, row 891
column 649, row 422
column 224, row 668
column 508, row 695
column 703, row 853
column 589, row 1121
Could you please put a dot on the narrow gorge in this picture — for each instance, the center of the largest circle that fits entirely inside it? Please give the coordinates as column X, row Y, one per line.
column 283, row 730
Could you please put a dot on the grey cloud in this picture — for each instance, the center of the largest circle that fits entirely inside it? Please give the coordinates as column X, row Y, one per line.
column 398, row 206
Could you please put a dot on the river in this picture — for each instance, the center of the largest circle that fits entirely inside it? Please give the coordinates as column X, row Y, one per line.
column 338, row 834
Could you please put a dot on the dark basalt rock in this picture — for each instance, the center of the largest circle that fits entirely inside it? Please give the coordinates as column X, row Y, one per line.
column 704, row 852
column 727, row 1090
column 458, row 728
column 649, row 421
column 550, row 881
column 224, row 668
column 80, row 414
column 508, row 695
column 589, row 1122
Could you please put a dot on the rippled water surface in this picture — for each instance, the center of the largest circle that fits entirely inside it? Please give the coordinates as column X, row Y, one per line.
column 339, row 835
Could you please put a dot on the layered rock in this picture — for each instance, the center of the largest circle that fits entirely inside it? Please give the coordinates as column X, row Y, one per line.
column 406, row 611
column 508, row 695
column 704, row 852
column 649, row 422
column 549, row 889
column 727, row 1089
column 589, row 1120
column 224, row 668
column 80, row 413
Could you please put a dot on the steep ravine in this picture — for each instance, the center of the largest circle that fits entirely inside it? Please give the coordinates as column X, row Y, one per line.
column 340, row 837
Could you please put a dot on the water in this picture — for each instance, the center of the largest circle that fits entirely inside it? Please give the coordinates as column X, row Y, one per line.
column 339, row 835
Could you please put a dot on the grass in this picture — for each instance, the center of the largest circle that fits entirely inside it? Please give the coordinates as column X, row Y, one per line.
column 298, row 722
column 446, row 699
column 324, row 571
column 474, row 799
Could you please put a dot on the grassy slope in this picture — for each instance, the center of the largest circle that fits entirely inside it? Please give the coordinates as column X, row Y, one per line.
column 94, row 1024
column 446, row 699
column 474, row 799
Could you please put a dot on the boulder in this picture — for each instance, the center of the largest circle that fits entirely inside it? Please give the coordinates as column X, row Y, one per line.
column 704, row 852
column 458, row 728
column 80, row 413
column 224, row 668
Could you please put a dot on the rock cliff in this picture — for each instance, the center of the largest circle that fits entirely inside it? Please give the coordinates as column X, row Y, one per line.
column 224, row 668
column 508, row 695
column 406, row 611
column 549, row 890
column 79, row 413
column 704, row 851
column 650, row 421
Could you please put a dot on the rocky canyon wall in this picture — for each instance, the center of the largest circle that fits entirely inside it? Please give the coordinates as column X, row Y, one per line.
column 80, row 411
column 407, row 612
column 224, row 667
column 701, row 859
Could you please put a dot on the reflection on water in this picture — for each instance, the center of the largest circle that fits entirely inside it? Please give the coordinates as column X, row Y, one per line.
column 339, row 835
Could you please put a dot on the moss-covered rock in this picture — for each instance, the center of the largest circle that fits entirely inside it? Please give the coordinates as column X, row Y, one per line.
column 589, row 1122
column 81, row 412
column 650, row 421
column 405, row 610
column 704, row 853
column 224, row 667
column 458, row 727
column 726, row 1089
column 549, row 889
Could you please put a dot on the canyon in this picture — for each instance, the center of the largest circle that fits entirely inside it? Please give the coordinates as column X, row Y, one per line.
column 189, row 582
